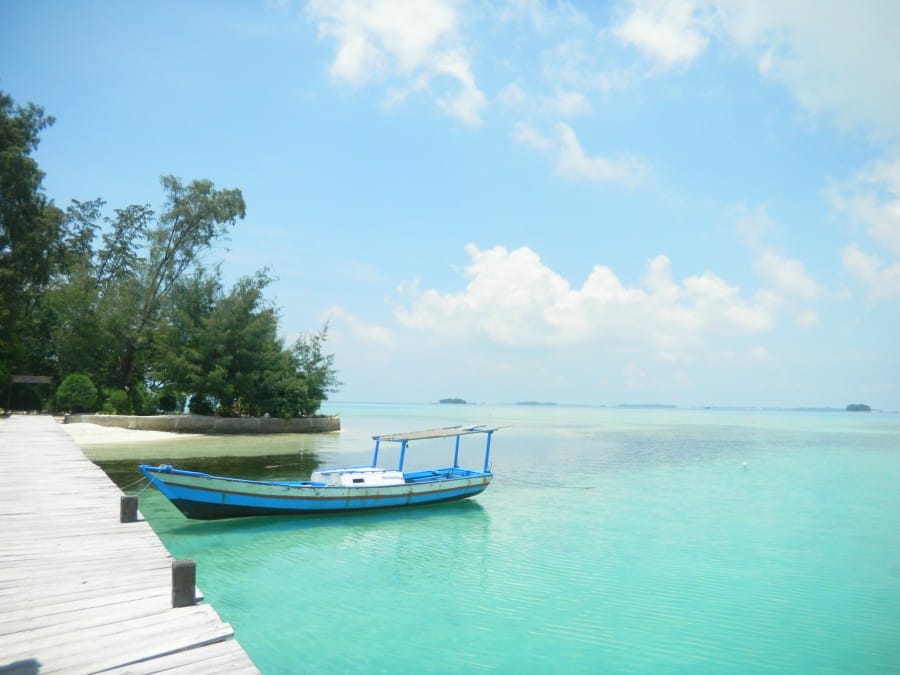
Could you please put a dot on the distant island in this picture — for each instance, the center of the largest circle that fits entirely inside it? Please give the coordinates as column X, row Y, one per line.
column 859, row 407
column 456, row 401
column 649, row 406
column 535, row 403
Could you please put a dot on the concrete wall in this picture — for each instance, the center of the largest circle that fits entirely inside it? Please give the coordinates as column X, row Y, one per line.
column 203, row 424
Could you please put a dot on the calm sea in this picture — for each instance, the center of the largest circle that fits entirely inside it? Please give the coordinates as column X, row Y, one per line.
column 611, row 540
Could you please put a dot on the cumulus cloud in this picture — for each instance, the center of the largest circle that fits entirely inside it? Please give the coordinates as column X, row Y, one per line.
column 389, row 39
column 832, row 56
column 512, row 298
column 787, row 275
column 871, row 198
column 882, row 279
column 671, row 32
column 574, row 164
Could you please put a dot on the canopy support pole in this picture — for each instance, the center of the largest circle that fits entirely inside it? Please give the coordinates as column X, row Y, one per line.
column 487, row 451
column 402, row 454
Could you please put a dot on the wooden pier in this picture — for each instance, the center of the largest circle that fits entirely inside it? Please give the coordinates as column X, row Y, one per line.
column 81, row 592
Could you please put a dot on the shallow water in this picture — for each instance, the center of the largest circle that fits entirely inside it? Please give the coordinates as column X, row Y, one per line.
column 613, row 540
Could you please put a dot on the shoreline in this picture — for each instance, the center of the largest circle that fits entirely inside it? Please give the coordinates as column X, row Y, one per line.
column 111, row 444
column 87, row 433
column 210, row 424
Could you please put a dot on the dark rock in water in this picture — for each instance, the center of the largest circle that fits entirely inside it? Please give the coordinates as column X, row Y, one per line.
column 858, row 407
column 453, row 400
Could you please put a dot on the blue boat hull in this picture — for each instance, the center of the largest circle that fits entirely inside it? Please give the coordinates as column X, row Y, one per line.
column 205, row 497
column 198, row 510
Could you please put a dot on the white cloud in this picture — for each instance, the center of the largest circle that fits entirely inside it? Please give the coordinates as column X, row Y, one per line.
column 787, row 275
column 808, row 318
column 467, row 102
column 883, row 279
column 671, row 32
column 759, row 354
column 836, row 58
column 572, row 162
column 575, row 64
column 342, row 321
column 418, row 41
column 528, row 135
column 872, row 199
column 563, row 103
column 513, row 299
column 513, row 95
column 542, row 16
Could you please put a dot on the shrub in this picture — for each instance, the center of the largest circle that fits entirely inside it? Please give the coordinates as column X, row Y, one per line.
column 200, row 405
column 119, row 402
column 149, row 403
column 168, row 402
column 77, row 394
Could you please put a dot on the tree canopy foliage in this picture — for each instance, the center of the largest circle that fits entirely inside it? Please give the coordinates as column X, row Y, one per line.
column 128, row 301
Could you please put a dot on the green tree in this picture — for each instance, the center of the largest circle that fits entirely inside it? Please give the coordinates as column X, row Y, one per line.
column 29, row 236
column 110, row 305
column 141, row 314
column 196, row 215
column 316, row 368
column 225, row 349
column 77, row 394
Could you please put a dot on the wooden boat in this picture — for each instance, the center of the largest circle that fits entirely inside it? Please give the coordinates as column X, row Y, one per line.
column 206, row 497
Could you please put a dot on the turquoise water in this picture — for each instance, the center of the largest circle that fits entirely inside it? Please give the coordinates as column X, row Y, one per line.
column 611, row 540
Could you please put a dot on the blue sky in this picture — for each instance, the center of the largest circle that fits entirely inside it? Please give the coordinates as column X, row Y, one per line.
column 685, row 201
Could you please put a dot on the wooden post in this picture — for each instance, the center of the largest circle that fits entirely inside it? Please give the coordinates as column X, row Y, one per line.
column 128, row 509
column 184, row 581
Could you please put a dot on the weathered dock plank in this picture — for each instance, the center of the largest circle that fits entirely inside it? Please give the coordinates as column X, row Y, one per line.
column 80, row 591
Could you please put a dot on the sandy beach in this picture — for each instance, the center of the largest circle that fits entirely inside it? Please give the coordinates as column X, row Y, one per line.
column 94, row 434
column 101, row 443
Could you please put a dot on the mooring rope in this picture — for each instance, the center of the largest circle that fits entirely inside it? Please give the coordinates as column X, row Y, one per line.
column 125, row 487
column 143, row 488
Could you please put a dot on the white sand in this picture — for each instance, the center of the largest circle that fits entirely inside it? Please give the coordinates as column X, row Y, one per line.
column 101, row 443
column 94, row 434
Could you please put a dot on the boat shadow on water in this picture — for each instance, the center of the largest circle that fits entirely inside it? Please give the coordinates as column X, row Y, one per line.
column 468, row 510
column 125, row 473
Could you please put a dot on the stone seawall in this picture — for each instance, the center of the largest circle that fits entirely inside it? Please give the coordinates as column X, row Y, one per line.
column 203, row 424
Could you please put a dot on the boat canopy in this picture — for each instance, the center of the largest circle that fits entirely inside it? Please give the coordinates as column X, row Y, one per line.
column 446, row 432
column 435, row 433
